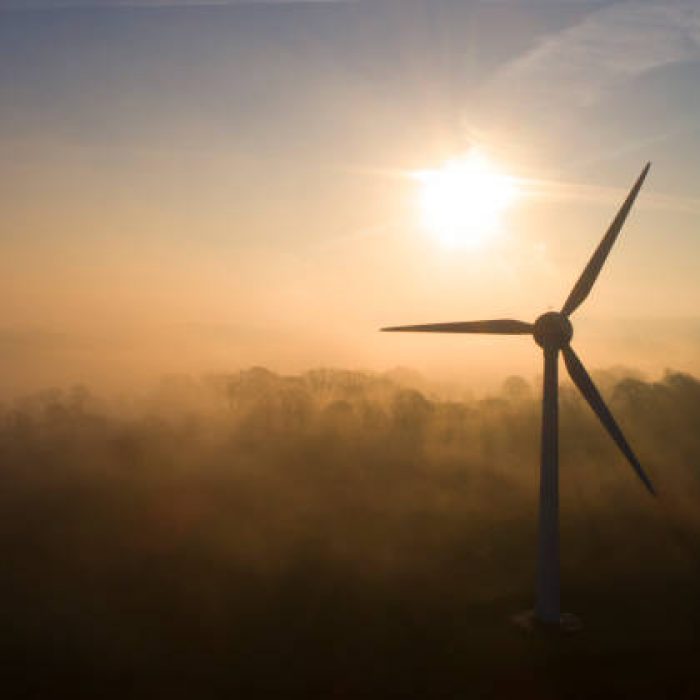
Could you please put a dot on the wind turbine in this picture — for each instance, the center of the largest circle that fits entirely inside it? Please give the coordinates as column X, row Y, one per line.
column 553, row 331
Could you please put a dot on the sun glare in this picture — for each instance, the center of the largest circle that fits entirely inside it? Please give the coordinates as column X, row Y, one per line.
column 462, row 202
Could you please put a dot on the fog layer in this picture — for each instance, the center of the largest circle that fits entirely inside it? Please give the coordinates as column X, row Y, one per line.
column 324, row 518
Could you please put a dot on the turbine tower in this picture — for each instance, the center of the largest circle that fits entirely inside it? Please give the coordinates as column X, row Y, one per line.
column 553, row 331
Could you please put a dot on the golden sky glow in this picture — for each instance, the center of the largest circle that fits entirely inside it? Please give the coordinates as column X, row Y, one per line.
column 231, row 190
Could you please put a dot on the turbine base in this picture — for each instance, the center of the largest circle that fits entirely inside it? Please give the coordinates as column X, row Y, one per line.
column 528, row 621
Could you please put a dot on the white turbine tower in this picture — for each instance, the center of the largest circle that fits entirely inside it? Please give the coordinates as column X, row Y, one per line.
column 553, row 331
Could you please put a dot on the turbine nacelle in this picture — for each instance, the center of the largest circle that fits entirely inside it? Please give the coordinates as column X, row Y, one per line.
column 553, row 330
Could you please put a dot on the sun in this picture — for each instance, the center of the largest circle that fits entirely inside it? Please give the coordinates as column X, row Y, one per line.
column 462, row 202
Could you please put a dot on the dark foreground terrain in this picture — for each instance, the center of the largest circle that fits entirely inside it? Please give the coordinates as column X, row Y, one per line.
column 340, row 535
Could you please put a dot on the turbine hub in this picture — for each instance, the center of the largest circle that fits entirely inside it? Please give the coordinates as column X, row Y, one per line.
column 553, row 330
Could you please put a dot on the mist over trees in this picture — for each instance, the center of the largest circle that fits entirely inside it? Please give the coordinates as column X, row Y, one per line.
column 224, row 526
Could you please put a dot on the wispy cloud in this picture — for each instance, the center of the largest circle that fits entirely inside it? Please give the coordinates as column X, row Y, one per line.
column 610, row 47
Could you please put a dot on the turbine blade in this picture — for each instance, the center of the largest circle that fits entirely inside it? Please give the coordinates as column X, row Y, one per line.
column 503, row 326
column 589, row 275
column 585, row 385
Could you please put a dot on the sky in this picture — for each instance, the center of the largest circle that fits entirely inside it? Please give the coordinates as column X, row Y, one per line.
column 201, row 187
